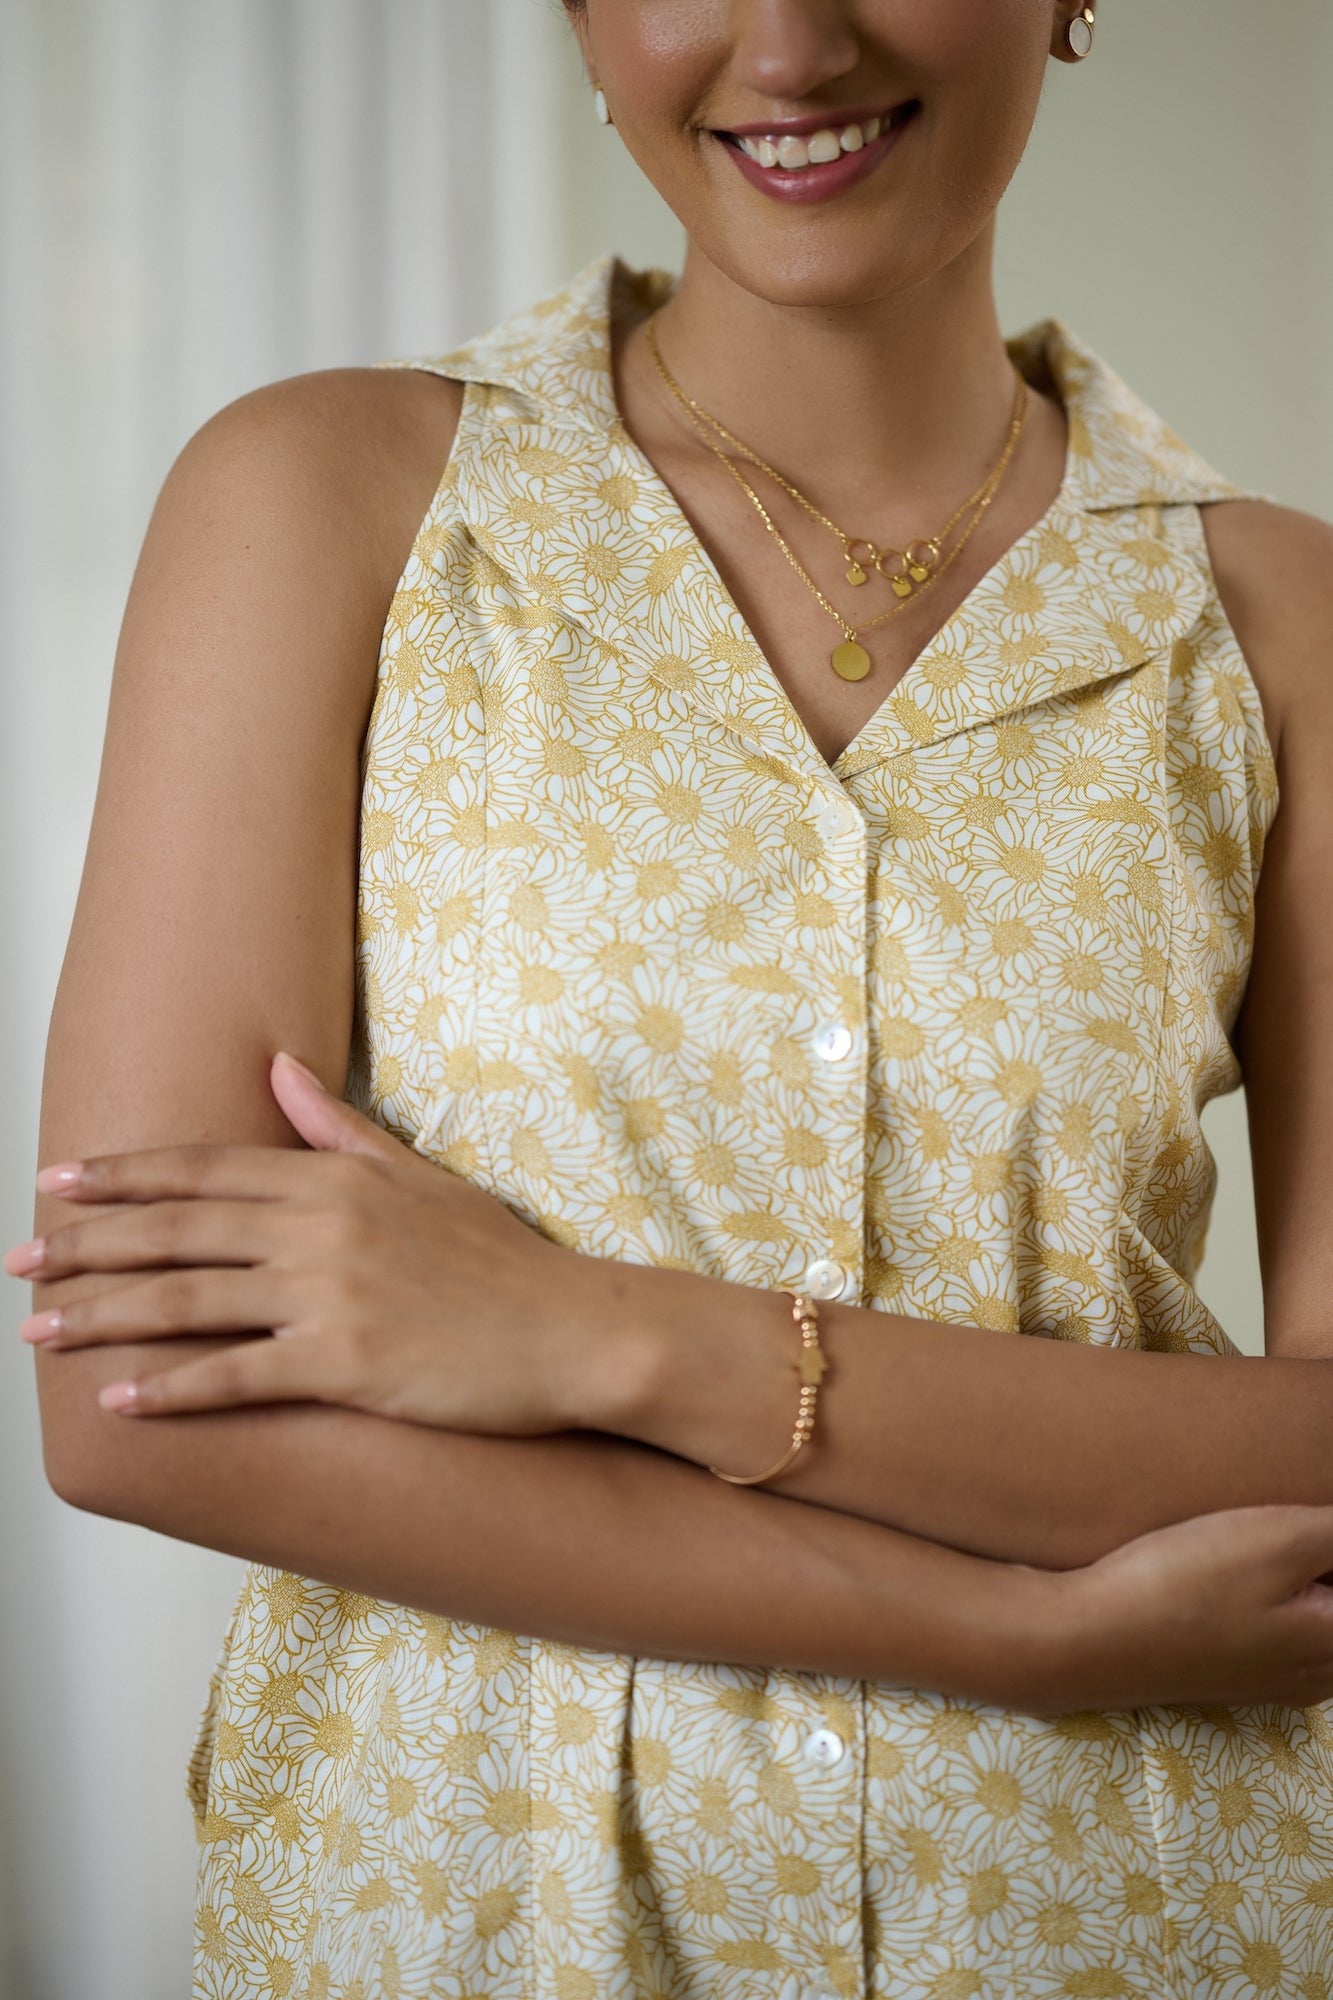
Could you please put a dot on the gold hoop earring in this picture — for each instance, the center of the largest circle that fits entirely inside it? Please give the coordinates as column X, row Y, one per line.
column 600, row 107
column 1079, row 34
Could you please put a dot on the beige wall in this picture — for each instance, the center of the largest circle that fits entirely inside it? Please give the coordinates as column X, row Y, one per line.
column 1175, row 208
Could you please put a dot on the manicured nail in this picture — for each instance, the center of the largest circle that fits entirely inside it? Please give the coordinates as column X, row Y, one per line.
column 41, row 1327
column 67, row 1175
column 119, row 1396
column 25, row 1257
column 302, row 1067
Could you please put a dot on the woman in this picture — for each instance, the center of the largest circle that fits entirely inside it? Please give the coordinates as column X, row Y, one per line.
column 753, row 784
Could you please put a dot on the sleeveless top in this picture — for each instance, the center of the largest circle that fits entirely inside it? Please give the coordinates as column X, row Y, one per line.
column 611, row 900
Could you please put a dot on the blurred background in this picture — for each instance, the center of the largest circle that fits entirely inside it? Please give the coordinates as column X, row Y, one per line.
column 197, row 198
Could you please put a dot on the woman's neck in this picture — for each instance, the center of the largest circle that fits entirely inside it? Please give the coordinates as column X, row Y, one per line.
column 900, row 401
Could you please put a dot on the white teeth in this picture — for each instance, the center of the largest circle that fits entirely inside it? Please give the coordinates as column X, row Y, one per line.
column 821, row 147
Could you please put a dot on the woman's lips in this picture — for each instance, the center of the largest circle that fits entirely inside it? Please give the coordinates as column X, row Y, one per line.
column 819, row 183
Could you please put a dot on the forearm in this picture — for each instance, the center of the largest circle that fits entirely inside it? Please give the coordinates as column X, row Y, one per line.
column 586, row 1540
column 1029, row 1450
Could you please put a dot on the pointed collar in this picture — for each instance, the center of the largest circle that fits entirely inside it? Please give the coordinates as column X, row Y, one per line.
column 555, row 359
column 532, row 485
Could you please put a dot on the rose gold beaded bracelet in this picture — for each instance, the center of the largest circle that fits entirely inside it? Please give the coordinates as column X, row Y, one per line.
column 811, row 1366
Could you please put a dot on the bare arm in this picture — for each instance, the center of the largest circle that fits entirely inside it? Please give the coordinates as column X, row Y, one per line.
column 224, row 852
column 1028, row 1450
column 1280, row 563
column 214, row 924
column 588, row 1541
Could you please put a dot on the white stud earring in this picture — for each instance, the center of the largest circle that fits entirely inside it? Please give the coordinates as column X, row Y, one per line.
column 600, row 107
column 1079, row 33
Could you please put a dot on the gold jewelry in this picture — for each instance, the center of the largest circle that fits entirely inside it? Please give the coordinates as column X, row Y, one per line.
column 850, row 660
column 914, row 562
column 811, row 1366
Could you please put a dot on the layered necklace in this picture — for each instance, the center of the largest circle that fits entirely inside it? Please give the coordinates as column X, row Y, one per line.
column 909, row 571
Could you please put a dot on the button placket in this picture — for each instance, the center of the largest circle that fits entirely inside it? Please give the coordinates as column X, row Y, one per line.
column 825, row 1751
column 839, row 1052
column 830, row 1767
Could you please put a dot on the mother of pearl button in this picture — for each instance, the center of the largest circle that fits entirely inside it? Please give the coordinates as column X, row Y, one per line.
column 825, row 1278
column 832, row 1042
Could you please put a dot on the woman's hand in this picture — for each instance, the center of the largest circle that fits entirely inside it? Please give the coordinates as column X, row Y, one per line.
column 388, row 1283
column 1226, row 1608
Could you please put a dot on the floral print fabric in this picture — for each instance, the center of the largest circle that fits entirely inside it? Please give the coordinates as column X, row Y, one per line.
column 610, row 895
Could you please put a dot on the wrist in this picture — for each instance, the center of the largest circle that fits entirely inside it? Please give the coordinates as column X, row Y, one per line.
column 687, row 1364
column 1047, row 1617
column 610, row 1353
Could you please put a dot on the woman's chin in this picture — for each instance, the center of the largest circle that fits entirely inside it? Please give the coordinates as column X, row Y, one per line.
column 797, row 269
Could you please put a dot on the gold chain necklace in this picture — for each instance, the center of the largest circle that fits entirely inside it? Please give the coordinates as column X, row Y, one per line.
column 913, row 564
column 849, row 660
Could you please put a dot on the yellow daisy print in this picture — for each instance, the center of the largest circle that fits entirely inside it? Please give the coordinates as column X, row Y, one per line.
column 930, row 1029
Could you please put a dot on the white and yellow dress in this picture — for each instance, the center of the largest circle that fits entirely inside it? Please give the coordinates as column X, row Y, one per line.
column 610, row 895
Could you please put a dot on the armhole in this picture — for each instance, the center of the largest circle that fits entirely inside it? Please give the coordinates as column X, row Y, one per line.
column 426, row 584
column 429, row 538
column 1221, row 617
column 1260, row 736
column 445, row 483
column 1187, row 529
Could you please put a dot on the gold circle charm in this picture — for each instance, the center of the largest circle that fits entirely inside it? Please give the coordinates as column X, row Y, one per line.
column 856, row 574
column 849, row 661
column 921, row 558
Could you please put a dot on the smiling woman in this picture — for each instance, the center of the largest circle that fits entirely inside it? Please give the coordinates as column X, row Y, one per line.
column 656, row 966
column 806, row 160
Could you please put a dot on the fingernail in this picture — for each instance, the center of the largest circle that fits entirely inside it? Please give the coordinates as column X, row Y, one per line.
column 119, row 1396
column 302, row 1067
column 68, row 1174
column 41, row 1327
column 25, row 1257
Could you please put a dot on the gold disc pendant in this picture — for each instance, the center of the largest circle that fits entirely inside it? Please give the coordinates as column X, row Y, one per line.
column 849, row 661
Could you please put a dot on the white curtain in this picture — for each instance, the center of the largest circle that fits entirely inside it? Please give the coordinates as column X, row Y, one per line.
column 196, row 198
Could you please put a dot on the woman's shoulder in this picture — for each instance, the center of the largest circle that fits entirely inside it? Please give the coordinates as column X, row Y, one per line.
column 352, row 453
column 273, row 551
column 284, row 525
column 1273, row 569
